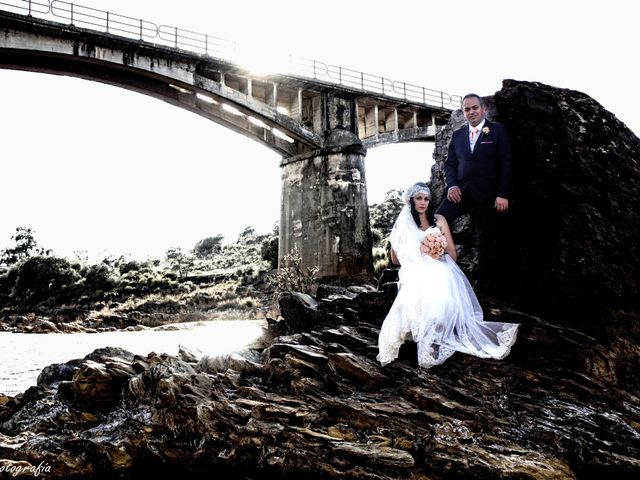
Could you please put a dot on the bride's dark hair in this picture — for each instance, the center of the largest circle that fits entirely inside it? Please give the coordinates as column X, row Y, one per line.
column 430, row 213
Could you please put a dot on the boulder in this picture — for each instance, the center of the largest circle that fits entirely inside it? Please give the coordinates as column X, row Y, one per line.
column 570, row 244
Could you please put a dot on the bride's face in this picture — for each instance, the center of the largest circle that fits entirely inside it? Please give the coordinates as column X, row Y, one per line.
column 421, row 202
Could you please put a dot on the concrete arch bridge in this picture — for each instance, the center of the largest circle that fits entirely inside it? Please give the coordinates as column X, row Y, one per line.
column 320, row 118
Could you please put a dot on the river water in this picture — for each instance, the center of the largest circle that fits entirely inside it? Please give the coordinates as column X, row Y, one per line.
column 23, row 356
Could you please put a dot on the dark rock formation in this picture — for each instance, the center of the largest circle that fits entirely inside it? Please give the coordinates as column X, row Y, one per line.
column 571, row 242
column 316, row 404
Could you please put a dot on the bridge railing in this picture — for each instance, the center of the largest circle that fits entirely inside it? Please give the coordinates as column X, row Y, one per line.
column 217, row 47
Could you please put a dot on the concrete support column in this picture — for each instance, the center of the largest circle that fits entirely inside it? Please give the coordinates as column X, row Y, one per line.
column 371, row 121
column 391, row 121
column 271, row 95
column 324, row 208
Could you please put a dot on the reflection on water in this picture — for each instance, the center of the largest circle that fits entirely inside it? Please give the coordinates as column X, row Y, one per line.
column 23, row 356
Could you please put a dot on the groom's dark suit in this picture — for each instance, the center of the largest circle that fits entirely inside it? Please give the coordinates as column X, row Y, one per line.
column 482, row 175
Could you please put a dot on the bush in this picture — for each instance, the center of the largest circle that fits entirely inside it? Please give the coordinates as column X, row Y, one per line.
column 44, row 278
column 207, row 247
column 98, row 278
column 292, row 277
column 179, row 262
column 382, row 215
column 269, row 248
column 248, row 236
column 134, row 266
column 8, row 280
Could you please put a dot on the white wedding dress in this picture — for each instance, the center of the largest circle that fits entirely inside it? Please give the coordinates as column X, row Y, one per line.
column 436, row 306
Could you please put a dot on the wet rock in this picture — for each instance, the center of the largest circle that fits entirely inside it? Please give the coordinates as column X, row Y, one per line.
column 317, row 404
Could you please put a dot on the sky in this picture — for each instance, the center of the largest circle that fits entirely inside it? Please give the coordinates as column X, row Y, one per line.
column 98, row 170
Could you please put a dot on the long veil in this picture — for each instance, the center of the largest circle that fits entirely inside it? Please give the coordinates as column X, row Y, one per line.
column 403, row 238
column 436, row 306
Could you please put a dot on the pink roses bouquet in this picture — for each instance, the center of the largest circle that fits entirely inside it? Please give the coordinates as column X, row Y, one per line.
column 434, row 244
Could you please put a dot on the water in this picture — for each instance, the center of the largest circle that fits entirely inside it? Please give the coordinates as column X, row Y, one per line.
column 23, row 356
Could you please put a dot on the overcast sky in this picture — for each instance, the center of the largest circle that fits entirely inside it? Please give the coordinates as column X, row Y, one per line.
column 97, row 168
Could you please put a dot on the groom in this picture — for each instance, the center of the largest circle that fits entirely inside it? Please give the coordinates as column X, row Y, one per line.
column 478, row 178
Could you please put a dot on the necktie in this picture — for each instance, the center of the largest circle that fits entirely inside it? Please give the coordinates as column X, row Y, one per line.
column 472, row 138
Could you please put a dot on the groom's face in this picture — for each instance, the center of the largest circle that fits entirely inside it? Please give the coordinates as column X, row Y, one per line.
column 473, row 111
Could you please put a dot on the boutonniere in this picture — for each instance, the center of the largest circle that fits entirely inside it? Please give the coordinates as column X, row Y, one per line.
column 486, row 130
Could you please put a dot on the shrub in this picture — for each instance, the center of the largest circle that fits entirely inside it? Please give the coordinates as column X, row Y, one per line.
column 247, row 236
column 8, row 280
column 179, row 262
column 292, row 277
column 269, row 248
column 99, row 277
column 25, row 247
column 382, row 215
column 133, row 266
column 207, row 247
column 43, row 278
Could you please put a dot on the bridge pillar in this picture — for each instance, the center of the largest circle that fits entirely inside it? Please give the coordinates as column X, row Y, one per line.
column 324, row 208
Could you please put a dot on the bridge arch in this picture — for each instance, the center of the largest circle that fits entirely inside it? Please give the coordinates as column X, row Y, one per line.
column 321, row 125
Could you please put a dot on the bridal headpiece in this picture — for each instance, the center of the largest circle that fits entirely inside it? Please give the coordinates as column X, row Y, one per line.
column 417, row 188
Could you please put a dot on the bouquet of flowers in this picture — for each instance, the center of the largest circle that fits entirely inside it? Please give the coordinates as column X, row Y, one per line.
column 434, row 244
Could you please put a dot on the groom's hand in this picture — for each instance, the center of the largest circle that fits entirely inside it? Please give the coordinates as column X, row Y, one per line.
column 502, row 204
column 454, row 194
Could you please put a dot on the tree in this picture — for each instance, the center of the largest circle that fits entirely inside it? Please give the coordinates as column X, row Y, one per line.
column 385, row 213
column 382, row 215
column 247, row 236
column 207, row 247
column 26, row 246
column 41, row 278
column 179, row 262
column 269, row 246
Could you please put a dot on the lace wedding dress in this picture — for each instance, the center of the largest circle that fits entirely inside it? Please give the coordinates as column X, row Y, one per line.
column 436, row 306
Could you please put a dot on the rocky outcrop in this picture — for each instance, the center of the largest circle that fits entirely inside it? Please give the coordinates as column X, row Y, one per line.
column 312, row 402
column 571, row 242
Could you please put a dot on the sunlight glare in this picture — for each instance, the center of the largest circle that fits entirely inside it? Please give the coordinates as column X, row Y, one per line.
column 259, row 123
column 233, row 110
column 282, row 135
column 180, row 89
column 206, row 98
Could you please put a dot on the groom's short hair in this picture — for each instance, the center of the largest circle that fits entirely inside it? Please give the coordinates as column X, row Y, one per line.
column 473, row 95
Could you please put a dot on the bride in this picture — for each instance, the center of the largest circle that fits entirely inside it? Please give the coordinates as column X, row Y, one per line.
column 435, row 306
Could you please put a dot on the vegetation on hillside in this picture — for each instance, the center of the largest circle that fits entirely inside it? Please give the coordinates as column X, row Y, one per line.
column 32, row 277
column 381, row 216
